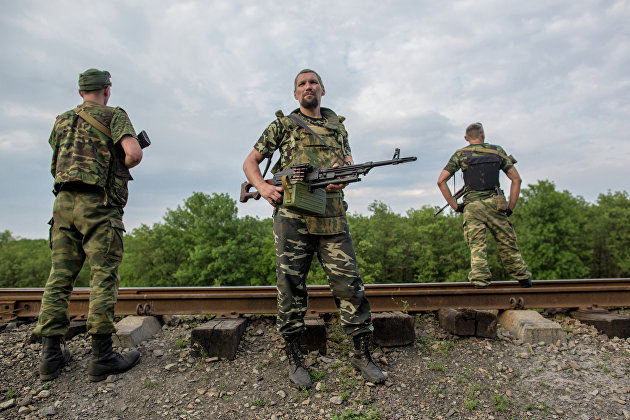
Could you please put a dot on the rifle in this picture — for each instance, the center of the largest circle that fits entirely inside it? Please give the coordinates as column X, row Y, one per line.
column 316, row 178
column 456, row 196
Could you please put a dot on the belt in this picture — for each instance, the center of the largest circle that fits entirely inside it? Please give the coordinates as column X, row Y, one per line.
column 79, row 187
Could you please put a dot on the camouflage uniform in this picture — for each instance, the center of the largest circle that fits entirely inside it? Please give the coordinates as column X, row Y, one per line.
column 485, row 209
column 298, row 236
column 91, row 190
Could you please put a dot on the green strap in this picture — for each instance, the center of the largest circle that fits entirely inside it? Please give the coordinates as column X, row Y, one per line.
column 482, row 150
column 92, row 121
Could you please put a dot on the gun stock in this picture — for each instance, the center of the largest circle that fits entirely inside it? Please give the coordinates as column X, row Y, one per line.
column 246, row 194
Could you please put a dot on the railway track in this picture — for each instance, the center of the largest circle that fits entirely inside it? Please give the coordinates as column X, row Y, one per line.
column 408, row 297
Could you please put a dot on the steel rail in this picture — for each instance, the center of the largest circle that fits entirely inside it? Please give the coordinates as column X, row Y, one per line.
column 409, row 297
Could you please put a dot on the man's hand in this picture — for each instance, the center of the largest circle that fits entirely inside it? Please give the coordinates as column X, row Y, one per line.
column 271, row 193
column 460, row 207
column 337, row 187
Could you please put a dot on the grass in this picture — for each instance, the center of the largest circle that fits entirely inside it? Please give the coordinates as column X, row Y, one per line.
column 149, row 384
column 10, row 393
column 352, row 414
column 471, row 404
column 317, row 375
column 261, row 403
column 501, row 402
column 603, row 367
column 182, row 343
column 436, row 366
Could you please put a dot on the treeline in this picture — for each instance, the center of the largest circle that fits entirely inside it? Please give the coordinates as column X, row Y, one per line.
column 204, row 243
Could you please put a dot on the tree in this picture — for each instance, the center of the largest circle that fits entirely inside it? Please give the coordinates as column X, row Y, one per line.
column 609, row 234
column 552, row 229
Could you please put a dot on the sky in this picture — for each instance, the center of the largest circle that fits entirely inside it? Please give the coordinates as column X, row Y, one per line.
column 549, row 80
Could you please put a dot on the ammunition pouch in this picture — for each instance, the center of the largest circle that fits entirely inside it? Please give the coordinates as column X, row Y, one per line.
column 501, row 201
column 298, row 197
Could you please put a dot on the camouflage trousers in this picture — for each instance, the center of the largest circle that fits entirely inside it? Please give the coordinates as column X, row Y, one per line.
column 480, row 216
column 295, row 248
column 82, row 227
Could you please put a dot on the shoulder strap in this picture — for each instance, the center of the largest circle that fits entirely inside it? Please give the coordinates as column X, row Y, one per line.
column 305, row 126
column 483, row 150
column 92, row 121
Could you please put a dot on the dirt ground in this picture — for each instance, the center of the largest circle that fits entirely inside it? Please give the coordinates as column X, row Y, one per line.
column 440, row 376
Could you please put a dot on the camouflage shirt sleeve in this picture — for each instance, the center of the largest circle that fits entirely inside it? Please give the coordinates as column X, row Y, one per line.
column 51, row 141
column 345, row 144
column 506, row 165
column 121, row 125
column 454, row 164
column 270, row 139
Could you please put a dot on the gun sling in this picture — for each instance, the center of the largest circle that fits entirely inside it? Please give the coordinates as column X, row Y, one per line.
column 482, row 150
column 92, row 121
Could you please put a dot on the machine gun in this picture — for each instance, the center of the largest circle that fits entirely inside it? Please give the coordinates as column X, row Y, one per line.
column 305, row 178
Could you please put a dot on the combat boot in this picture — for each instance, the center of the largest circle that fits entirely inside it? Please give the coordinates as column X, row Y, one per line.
column 54, row 357
column 525, row 284
column 298, row 374
column 105, row 361
column 362, row 359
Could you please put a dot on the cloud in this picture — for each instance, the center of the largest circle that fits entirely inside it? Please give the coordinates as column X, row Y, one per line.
column 549, row 80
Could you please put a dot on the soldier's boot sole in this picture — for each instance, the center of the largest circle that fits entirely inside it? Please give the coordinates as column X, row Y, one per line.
column 525, row 284
column 299, row 377
column 100, row 369
column 369, row 370
column 50, row 369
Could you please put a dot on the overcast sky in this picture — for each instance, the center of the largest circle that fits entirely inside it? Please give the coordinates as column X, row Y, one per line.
column 550, row 80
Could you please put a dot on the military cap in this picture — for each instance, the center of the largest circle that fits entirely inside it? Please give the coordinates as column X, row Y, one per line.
column 94, row 79
column 474, row 126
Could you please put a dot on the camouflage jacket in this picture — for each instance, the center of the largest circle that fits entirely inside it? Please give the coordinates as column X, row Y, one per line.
column 297, row 145
column 81, row 153
column 459, row 161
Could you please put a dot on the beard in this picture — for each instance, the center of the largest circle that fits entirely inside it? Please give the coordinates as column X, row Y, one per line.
column 309, row 103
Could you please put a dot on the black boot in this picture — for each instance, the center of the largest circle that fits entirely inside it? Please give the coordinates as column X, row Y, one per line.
column 362, row 359
column 526, row 284
column 54, row 357
column 298, row 374
column 105, row 361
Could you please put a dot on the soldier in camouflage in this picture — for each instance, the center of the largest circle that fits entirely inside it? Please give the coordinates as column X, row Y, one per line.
column 299, row 236
column 93, row 148
column 484, row 205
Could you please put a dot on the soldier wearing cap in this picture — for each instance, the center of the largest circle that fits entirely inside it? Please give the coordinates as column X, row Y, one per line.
column 316, row 135
column 94, row 146
column 484, row 205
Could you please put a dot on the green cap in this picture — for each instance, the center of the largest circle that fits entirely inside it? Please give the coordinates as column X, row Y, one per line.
column 93, row 79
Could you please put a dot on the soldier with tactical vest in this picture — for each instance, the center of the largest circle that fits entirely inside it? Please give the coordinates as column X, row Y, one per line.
column 315, row 135
column 93, row 148
column 484, row 205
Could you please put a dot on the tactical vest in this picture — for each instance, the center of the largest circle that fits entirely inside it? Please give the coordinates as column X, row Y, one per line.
column 306, row 148
column 483, row 170
column 83, row 153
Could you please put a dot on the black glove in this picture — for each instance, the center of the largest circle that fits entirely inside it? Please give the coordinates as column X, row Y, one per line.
column 508, row 212
column 460, row 207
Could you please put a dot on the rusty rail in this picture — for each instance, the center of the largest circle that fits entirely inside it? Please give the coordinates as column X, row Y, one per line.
column 409, row 297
